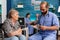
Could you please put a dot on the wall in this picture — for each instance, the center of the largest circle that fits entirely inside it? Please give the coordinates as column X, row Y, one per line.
column 29, row 8
column 4, row 10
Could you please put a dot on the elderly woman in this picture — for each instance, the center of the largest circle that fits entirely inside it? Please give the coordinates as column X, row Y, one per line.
column 12, row 28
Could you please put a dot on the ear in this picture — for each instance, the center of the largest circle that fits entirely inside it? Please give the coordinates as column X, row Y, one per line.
column 48, row 7
column 11, row 16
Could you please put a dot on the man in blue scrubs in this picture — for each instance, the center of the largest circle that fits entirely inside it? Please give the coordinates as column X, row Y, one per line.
column 48, row 24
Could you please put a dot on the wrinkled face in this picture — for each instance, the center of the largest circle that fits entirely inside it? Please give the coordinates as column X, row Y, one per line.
column 15, row 16
column 43, row 8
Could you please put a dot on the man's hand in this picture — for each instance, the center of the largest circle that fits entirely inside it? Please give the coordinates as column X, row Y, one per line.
column 43, row 27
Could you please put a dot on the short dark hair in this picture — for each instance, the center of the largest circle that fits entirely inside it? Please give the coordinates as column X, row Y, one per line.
column 44, row 2
column 27, row 14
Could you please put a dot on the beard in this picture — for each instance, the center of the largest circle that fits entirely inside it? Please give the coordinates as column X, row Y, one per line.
column 43, row 13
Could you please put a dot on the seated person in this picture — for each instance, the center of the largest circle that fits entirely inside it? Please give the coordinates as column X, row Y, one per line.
column 12, row 28
column 28, row 23
column 48, row 24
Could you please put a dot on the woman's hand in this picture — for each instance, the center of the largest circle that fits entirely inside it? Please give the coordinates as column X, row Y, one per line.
column 19, row 32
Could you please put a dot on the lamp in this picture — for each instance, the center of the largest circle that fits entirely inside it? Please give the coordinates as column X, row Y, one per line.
column 20, row 5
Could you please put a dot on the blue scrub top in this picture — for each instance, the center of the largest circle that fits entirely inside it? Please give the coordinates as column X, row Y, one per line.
column 30, row 28
column 50, row 19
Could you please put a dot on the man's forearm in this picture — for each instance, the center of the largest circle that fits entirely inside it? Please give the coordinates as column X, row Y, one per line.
column 53, row 28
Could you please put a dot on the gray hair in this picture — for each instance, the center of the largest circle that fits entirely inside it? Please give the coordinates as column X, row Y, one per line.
column 11, row 12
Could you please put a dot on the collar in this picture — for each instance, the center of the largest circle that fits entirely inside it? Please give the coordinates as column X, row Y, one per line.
column 47, row 14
